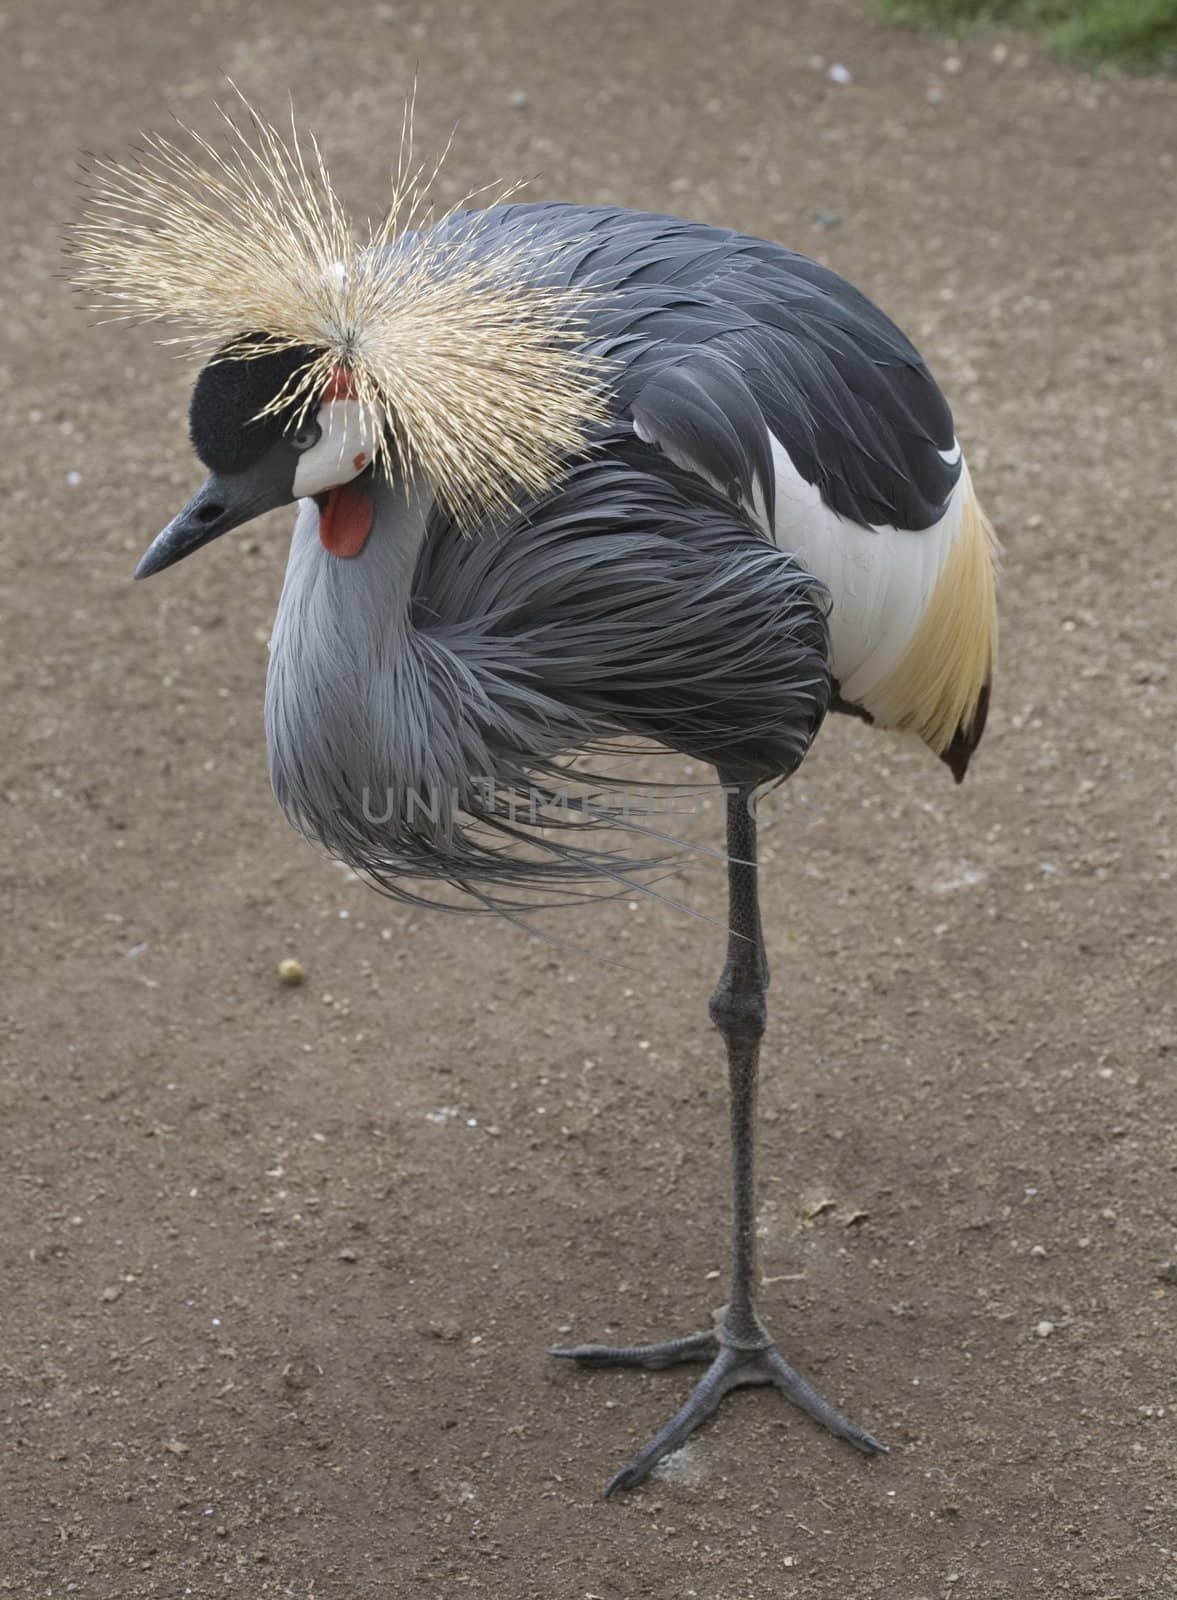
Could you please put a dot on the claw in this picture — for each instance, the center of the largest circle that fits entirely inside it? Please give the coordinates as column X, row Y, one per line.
column 731, row 1368
column 693, row 1347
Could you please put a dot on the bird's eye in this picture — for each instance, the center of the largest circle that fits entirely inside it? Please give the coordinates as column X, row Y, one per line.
column 307, row 435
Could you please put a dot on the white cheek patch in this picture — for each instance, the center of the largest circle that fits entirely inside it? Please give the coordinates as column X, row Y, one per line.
column 350, row 431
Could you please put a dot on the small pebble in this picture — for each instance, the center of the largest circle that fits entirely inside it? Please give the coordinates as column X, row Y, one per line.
column 1167, row 1272
column 298, row 1375
column 291, row 972
column 348, row 1254
column 1037, row 1250
column 837, row 73
column 1044, row 1329
column 448, row 1332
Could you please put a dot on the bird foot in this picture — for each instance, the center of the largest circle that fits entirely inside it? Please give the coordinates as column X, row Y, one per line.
column 738, row 1357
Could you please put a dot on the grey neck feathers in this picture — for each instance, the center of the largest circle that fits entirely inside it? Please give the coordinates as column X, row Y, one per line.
column 346, row 701
column 388, row 733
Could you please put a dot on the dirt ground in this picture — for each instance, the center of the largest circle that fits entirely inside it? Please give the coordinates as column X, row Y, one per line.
column 280, row 1266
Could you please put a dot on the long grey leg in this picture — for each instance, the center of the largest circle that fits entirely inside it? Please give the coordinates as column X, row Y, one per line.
column 741, row 1349
column 740, row 1011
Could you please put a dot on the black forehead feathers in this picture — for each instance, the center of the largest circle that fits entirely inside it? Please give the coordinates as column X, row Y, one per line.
column 229, row 393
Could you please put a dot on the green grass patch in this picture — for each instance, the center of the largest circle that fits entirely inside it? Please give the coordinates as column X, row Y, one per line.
column 1140, row 34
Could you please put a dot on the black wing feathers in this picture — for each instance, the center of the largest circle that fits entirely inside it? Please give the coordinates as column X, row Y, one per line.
column 700, row 407
column 700, row 319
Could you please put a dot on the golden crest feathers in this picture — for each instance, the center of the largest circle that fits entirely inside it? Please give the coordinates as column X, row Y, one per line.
column 479, row 365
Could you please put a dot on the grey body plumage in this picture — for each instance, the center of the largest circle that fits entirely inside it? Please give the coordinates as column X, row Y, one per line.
column 420, row 694
column 768, row 516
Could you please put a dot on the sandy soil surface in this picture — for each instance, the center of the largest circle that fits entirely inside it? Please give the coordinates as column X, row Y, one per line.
column 280, row 1266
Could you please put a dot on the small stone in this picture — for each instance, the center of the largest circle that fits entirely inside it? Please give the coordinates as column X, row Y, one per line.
column 176, row 1447
column 447, row 1332
column 1167, row 1272
column 348, row 1254
column 1000, row 54
column 517, row 99
column 839, row 74
column 1149, row 672
column 291, row 972
column 1038, row 1250
column 112, row 1293
column 1044, row 1329
column 953, row 65
column 299, row 1374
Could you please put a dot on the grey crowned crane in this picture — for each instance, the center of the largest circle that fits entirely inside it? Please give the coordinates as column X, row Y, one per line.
column 565, row 475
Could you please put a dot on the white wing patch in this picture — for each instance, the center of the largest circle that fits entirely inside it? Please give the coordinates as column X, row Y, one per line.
column 913, row 626
column 880, row 578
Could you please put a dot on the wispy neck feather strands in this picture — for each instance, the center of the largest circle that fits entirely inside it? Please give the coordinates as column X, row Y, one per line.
column 423, row 700
column 477, row 364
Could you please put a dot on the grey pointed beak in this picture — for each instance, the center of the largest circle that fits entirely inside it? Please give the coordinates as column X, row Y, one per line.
column 223, row 502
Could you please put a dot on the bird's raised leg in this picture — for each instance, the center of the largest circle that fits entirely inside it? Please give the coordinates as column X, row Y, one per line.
column 738, row 1346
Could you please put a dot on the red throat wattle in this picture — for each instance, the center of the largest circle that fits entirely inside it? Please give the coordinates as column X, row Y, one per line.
column 346, row 520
